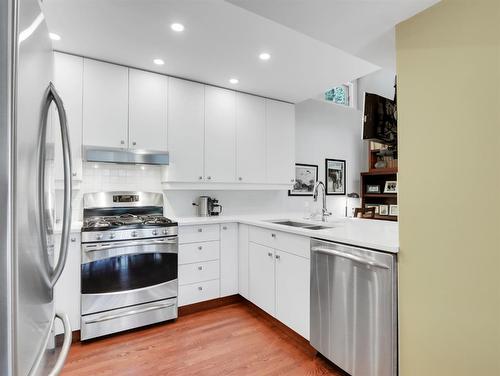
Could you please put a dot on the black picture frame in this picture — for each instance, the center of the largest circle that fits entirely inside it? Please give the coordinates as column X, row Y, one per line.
column 299, row 191
column 329, row 180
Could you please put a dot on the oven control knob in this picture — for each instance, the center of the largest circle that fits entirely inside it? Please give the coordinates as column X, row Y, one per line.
column 133, row 234
column 98, row 236
column 112, row 235
column 165, row 231
column 155, row 232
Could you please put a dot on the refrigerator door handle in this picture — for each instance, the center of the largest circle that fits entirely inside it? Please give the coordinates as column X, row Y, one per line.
column 51, row 95
column 65, row 346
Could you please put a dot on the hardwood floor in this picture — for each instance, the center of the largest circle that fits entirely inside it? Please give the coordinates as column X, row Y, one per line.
column 236, row 339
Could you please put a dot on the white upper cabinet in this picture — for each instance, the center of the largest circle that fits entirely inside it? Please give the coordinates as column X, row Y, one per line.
column 147, row 111
column 186, row 122
column 220, row 135
column 280, row 118
column 250, row 138
column 105, row 104
column 68, row 80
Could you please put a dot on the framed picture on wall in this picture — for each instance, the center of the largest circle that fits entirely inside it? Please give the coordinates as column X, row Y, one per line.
column 305, row 177
column 335, row 176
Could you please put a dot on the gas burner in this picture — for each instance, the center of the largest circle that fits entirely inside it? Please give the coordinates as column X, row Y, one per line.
column 155, row 220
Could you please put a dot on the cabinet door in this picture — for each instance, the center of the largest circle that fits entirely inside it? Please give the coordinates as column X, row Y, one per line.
column 243, row 260
column 220, row 135
column 280, row 119
column 68, row 80
column 261, row 276
column 228, row 259
column 292, row 292
column 67, row 289
column 147, row 110
column 105, row 104
column 185, row 131
column 250, row 138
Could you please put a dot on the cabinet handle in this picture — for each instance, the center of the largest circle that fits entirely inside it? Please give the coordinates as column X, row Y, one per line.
column 277, row 257
column 200, row 267
column 273, row 236
column 200, row 288
column 73, row 240
column 292, row 180
column 240, row 178
column 200, row 177
column 122, row 142
column 224, row 227
column 209, row 178
column 74, row 174
column 200, row 230
column 200, row 248
column 134, row 143
column 270, row 254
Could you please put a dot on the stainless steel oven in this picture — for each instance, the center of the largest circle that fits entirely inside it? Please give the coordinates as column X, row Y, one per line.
column 128, row 270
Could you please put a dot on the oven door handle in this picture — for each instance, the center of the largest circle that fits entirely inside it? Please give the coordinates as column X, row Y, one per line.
column 129, row 313
column 138, row 243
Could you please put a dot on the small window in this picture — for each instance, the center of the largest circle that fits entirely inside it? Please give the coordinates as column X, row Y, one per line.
column 339, row 95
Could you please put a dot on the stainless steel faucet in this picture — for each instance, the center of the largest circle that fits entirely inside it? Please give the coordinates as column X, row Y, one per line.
column 325, row 213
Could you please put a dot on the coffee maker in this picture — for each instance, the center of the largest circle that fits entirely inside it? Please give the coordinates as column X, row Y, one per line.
column 208, row 206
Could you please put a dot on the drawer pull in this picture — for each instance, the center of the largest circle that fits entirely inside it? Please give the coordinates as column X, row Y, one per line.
column 273, row 236
column 277, row 257
column 270, row 254
column 200, row 288
column 200, row 267
column 200, row 230
column 224, row 228
column 73, row 240
column 200, row 247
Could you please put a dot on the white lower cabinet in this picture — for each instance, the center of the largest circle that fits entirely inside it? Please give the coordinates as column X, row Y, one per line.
column 198, row 292
column 292, row 291
column 243, row 260
column 261, row 276
column 67, row 289
column 228, row 259
column 279, row 281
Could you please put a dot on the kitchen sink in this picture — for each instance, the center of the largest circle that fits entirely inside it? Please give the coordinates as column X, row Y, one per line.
column 307, row 226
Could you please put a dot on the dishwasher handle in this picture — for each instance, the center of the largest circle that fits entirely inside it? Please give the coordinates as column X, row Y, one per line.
column 348, row 256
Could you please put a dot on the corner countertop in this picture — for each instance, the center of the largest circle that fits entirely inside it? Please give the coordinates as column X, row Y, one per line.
column 373, row 234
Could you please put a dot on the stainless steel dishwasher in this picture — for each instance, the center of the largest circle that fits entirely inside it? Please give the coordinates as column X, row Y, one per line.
column 354, row 308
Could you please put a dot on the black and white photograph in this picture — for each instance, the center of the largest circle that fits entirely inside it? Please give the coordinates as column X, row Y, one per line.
column 305, row 177
column 393, row 210
column 383, row 210
column 370, row 188
column 335, row 176
column 391, row 187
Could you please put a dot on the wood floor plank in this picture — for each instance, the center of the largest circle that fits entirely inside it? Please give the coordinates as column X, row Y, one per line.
column 236, row 339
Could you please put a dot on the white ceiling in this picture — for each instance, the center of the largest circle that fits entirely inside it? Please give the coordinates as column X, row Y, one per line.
column 306, row 38
column 364, row 28
column 220, row 41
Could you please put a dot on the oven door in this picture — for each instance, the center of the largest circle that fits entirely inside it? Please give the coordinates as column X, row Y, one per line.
column 125, row 273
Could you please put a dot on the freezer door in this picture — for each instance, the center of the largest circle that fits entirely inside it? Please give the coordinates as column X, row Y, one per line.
column 353, row 308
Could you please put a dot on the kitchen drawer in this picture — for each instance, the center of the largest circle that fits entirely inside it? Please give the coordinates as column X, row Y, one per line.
column 198, row 292
column 201, row 233
column 198, row 252
column 198, row 272
column 291, row 243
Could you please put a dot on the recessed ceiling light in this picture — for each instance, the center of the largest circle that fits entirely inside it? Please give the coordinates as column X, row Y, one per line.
column 54, row 36
column 233, row 81
column 177, row 27
column 264, row 56
column 158, row 61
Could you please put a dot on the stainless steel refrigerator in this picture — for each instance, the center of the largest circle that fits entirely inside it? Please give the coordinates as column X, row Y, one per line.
column 28, row 271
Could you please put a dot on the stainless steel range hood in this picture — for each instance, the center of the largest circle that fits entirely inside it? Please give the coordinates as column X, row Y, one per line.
column 124, row 156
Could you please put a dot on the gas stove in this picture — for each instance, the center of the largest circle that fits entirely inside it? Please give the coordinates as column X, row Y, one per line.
column 111, row 216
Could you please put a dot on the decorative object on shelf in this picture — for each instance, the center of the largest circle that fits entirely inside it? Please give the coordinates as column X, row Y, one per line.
column 391, row 186
column 370, row 188
column 305, row 177
column 365, row 213
column 383, row 210
column 394, row 210
column 374, row 206
column 380, row 162
column 349, row 195
column 335, row 175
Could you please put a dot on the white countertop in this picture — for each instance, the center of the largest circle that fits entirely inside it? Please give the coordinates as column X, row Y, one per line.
column 378, row 235
column 374, row 234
